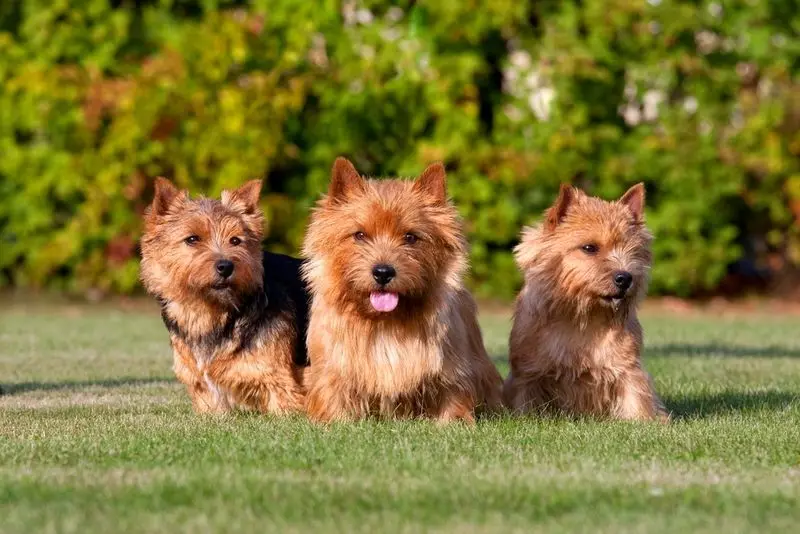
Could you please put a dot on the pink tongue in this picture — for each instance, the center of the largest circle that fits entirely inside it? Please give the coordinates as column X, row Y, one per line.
column 383, row 301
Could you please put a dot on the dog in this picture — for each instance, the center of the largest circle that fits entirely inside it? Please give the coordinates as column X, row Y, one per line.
column 392, row 331
column 576, row 342
column 236, row 316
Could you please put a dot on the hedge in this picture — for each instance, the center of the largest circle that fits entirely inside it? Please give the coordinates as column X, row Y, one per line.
column 700, row 100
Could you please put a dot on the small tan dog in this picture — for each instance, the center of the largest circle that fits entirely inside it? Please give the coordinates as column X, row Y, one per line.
column 576, row 342
column 235, row 315
column 393, row 333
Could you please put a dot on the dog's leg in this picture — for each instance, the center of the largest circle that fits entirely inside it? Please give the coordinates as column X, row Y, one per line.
column 523, row 396
column 330, row 400
column 262, row 381
column 512, row 396
column 204, row 400
column 637, row 399
column 282, row 396
column 454, row 405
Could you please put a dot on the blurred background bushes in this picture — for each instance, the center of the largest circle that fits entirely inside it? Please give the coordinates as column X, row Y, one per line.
column 700, row 100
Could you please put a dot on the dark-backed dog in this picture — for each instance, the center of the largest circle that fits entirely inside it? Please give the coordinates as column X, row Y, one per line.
column 236, row 316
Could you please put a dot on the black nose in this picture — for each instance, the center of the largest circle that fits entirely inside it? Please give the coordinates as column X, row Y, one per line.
column 224, row 268
column 623, row 280
column 383, row 273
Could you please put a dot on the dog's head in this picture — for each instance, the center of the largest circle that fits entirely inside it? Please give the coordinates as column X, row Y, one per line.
column 203, row 248
column 384, row 246
column 590, row 253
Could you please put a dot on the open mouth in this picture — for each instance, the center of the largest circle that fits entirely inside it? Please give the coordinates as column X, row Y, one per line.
column 384, row 301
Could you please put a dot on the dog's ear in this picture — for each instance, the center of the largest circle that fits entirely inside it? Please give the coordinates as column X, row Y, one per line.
column 166, row 194
column 433, row 182
column 556, row 213
column 634, row 200
column 344, row 179
column 244, row 199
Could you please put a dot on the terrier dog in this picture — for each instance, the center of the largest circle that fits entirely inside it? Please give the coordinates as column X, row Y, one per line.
column 576, row 342
column 236, row 316
column 393, row 333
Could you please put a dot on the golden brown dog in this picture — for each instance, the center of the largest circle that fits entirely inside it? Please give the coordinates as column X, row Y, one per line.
column 576, row 342
column 392, row 333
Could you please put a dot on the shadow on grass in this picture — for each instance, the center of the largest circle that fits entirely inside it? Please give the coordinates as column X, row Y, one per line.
column 711, row 404
column 720, row 349
column 24, row 387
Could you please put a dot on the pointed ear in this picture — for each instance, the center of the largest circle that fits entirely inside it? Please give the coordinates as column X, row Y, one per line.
column 634, row 199
column 433, row 182
column 557, row 212
column 165, row 195
column 243, row 199
column 344, row 179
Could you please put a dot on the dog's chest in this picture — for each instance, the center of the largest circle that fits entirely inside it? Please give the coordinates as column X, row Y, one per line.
column 386, row 365
column 565, row 356
column 204, row 355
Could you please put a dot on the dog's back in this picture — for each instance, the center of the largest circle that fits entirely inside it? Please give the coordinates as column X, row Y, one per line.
column 283, row 282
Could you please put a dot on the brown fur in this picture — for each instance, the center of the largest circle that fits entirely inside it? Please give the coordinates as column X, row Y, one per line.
column 233, row 348
column 573, row 348
column 426, row 357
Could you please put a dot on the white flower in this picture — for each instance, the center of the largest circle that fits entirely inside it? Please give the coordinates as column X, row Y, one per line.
column 364, row 16
column 366, row 52
column 690, row 105
column 706, row 41
column 510, row 77
column 349, row 13
column 424, row 61
column 318, row 54
column 651, row 100
column 533, row 80
column 390, row 34
column 394, row 14
column 540, row 102
column 520, row 59
column 631, row 114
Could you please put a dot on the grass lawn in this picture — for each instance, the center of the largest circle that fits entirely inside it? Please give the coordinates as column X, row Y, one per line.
column 97, row 436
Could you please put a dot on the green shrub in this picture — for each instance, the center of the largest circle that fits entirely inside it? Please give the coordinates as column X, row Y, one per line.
column 697, row 99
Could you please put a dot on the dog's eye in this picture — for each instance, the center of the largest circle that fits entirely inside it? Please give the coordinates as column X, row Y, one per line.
column 191, row 240
column 590, row 248
column 410, row 238
column 359, row 236
column 235, row 241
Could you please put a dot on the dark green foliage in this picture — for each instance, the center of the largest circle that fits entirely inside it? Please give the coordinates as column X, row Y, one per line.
column 697, row 99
